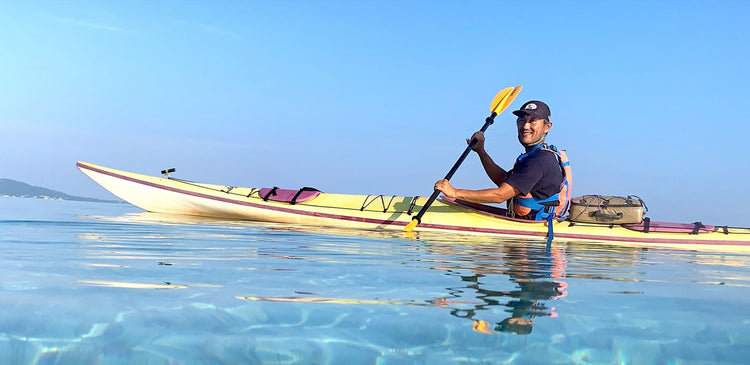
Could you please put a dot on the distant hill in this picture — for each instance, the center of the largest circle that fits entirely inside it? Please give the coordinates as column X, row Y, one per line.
column 18, row 189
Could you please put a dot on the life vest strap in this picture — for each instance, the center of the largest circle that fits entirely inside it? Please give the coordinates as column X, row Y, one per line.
column 538, row 204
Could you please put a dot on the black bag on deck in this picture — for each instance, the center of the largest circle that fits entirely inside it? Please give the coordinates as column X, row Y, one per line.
column 607, row 209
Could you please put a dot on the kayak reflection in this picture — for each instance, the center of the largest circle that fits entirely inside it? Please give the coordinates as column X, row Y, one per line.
column 505, row 285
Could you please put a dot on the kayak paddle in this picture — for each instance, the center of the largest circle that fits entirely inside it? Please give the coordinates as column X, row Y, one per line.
column 499, row 103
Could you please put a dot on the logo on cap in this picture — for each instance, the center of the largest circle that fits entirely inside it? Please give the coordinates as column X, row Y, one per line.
column 531, row 106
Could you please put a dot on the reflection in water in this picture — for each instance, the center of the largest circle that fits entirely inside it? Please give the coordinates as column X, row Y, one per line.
column 522, row 277
column 536, row 273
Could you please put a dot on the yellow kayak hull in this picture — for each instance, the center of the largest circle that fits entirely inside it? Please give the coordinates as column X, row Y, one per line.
column 378, row 212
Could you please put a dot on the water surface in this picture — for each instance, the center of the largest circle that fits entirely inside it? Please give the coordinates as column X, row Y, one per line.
column 97, row 283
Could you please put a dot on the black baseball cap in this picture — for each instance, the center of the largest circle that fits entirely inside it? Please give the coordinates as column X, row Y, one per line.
column 535, row 108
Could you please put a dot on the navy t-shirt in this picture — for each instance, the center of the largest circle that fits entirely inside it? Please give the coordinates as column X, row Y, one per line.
column 539, row 173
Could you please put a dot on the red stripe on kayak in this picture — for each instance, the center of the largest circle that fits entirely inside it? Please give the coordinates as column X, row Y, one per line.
column 672, row 241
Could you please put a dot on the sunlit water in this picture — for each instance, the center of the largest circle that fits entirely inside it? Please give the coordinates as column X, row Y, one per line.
column 97, row 283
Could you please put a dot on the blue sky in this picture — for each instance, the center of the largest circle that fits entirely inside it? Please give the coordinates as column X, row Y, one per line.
column 377, row 97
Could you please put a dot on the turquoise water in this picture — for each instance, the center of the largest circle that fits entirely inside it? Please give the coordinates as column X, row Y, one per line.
column 97, row 283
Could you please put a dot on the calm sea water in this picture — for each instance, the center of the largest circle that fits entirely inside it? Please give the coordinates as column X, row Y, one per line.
column 97, row 283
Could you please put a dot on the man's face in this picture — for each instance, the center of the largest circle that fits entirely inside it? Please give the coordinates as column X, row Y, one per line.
column 531, row 130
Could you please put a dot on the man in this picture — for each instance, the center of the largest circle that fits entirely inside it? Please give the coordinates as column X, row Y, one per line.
column 536, row 180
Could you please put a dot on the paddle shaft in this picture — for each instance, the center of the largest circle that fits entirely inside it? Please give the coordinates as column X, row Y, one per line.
column 449, row 175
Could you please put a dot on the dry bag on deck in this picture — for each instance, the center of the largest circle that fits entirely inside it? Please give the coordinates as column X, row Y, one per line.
column 607, row 209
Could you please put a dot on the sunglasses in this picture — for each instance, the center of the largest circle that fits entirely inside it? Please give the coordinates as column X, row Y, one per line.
column 528, row 119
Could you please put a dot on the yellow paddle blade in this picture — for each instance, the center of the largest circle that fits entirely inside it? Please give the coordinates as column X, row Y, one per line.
column 409, row 227
column 482, row 327
column 504, row 98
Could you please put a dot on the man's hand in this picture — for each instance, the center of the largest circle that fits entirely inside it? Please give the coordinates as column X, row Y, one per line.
column 446, row 187
column 480, row 141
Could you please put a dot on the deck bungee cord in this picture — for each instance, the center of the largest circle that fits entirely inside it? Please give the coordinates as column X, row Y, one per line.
column 365, row 204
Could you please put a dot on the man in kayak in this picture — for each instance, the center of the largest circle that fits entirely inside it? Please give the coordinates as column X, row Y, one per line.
column 537, row 178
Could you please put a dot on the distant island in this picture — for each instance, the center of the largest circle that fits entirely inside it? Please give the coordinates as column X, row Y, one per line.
column 13, row 188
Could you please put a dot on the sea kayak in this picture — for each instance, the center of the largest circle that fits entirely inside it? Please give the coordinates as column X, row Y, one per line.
column 310, row 207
